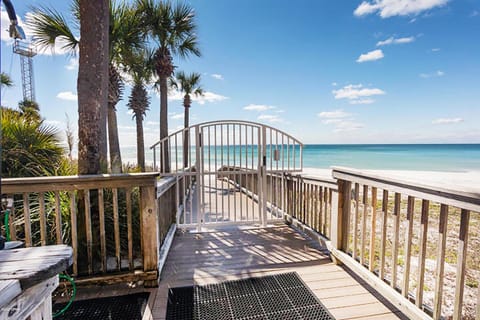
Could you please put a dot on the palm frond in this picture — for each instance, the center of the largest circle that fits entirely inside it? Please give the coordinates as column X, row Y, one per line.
column 189, row 83
column 75, row 10
column 5, row 80
column 125, row 31
column 47, row 26
column 188, row 46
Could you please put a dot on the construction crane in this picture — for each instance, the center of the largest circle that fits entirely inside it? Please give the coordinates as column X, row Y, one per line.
column 24, row 49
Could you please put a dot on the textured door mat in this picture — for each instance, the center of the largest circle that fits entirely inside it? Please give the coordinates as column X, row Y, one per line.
column 129, row 307
column 282, row 296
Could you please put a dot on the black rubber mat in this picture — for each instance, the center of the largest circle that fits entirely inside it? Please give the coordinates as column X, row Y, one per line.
column 282, row 296
column 129, row 307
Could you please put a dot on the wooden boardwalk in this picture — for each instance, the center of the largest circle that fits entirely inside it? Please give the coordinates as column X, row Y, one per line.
column 234, row 253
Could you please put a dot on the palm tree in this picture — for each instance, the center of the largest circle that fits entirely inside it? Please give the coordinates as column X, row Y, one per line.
column 29, row 147
column 48, row 26
column 5, row 80
column 92, row 82
column 188, row 85
column 124, row 33
column 139, row 66
column 30, row 110
column 125, row 36
column 92, row 88
column 172, row 27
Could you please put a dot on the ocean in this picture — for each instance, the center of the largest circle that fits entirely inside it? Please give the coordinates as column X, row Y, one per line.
column 422, row 157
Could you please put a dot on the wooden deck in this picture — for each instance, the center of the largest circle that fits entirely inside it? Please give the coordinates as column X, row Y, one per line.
column 234, row 253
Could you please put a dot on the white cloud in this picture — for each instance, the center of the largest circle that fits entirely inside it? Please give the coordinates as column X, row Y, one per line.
column 334, row 84
column 258, row 107
column 438, row 73
column 177, row 116
column 130, row 128
column 52, row 122
column 335, row 114
column 152, row 123
column 447, row 120
column 371, row 56
column 67, row 95
column 475, row 13
column 341, row 120
column 347, row 125
column 5, row 23
column 393, row 40
column 175, row 95
column 270, row 118
column 362, row 101
column 390, row 8
column 72, row 64
column 435, row 49
column 209, row 97
column 357, row 94
column 217, row 76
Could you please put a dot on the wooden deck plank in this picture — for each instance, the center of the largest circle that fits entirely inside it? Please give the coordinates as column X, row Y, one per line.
column 233, row 253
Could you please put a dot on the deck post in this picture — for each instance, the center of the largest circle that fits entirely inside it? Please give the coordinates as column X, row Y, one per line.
column 340, row 216
column 150, row 230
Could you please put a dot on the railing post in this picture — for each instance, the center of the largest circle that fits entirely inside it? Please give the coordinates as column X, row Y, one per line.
column 150, row 236
column 340, row 215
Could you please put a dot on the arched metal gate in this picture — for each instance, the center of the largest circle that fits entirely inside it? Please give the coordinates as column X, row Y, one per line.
column 221, row 169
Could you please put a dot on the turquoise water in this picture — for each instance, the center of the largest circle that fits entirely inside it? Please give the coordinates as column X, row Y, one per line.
column 431, row 157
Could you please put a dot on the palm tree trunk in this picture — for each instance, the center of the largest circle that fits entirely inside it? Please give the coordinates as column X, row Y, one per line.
column 165, row 159
column 92, row 88
column 113, row 143
column 92, row 83
column 140, row 143
column 102, row 141
column 185, row 137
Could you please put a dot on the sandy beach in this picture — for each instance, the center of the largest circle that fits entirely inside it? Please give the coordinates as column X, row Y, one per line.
column 467, row 181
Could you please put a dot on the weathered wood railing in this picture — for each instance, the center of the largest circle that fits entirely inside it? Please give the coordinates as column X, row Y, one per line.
column 307, row 199
column 114, row 223
column 416, row 244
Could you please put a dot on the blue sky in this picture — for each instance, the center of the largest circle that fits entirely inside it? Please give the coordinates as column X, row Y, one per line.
column 376, row 71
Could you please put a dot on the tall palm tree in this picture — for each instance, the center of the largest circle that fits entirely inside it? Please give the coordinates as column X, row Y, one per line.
column 48, row 25
column 125, row 36
column 92, row 88
column 173, row 29
column 124, row 33
column 92, row 82
column 139, row 66
column 188, row 85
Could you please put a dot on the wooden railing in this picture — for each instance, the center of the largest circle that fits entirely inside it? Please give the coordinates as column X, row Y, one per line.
column 416, row 244
column 114, row 223
column 307, row 199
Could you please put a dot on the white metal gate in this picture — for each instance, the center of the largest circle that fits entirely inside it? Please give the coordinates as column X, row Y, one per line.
column 221, row 169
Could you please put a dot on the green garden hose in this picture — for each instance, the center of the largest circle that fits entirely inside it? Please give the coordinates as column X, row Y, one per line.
column 74, row 288
column 7, row 226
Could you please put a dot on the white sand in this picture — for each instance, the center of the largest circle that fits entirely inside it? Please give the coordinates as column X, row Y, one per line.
column 468, row 181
